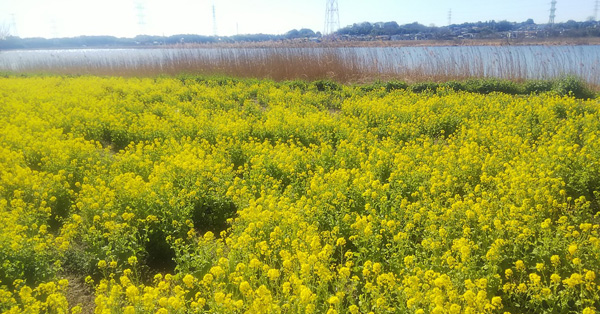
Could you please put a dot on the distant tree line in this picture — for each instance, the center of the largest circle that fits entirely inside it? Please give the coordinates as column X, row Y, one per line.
column 487, row 29
column 12, row 42
column 567, row 29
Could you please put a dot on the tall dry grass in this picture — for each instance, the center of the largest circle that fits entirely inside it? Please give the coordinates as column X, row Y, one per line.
column 342, row 64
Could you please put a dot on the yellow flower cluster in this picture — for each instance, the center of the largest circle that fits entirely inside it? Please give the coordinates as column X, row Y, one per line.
column 48, row 297
column 191, row 195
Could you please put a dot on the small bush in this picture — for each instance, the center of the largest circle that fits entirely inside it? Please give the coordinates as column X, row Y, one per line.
column 377, row 85
column 326, row 85
column 487, row 86
column 537, row 86
column 421, row 87
column 571, row 85
column 394, row 85
column 297, row 85
column 454, row 85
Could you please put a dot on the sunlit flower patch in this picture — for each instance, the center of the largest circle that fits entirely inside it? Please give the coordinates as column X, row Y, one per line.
column 189, row 195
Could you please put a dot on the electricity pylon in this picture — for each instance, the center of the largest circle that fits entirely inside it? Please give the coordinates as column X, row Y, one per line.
column 552, row 12
column 332, row 17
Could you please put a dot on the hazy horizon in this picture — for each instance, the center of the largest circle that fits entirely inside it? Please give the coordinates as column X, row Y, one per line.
column 71, row 18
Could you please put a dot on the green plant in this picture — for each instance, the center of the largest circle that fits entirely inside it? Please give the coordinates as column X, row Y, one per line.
column 572, row 85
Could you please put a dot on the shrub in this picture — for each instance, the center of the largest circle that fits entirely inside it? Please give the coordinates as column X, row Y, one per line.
column 571, row 85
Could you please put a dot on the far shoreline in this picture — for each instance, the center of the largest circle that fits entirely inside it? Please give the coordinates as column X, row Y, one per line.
column 337, row 43
column 334, row 43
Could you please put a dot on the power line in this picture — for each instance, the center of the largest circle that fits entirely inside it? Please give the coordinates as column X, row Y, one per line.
column 332, row 17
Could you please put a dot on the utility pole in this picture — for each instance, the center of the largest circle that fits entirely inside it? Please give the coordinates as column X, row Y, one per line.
column 552, row 12
column 332, row 17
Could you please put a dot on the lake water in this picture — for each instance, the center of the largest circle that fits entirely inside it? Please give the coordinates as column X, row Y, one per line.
column 524, row 62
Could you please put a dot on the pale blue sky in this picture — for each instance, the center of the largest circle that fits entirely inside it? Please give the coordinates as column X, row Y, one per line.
column 66, row 18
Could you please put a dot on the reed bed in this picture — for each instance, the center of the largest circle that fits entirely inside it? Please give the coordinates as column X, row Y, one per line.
column 341, row 64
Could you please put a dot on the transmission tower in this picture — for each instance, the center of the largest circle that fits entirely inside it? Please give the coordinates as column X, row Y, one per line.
column 13, row 25
column 596, row 5
column 214, row 17
column 552, row 12
column 450, row 17
column 332, row 17
column 53, row 28
column 141, row 17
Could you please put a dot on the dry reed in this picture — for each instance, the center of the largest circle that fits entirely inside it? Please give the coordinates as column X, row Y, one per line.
column 342, row 64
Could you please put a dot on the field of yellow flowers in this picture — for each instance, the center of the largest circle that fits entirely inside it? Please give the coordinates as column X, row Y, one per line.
column 191, row 195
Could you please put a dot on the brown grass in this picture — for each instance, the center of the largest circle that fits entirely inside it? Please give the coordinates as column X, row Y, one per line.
column 342, row 64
